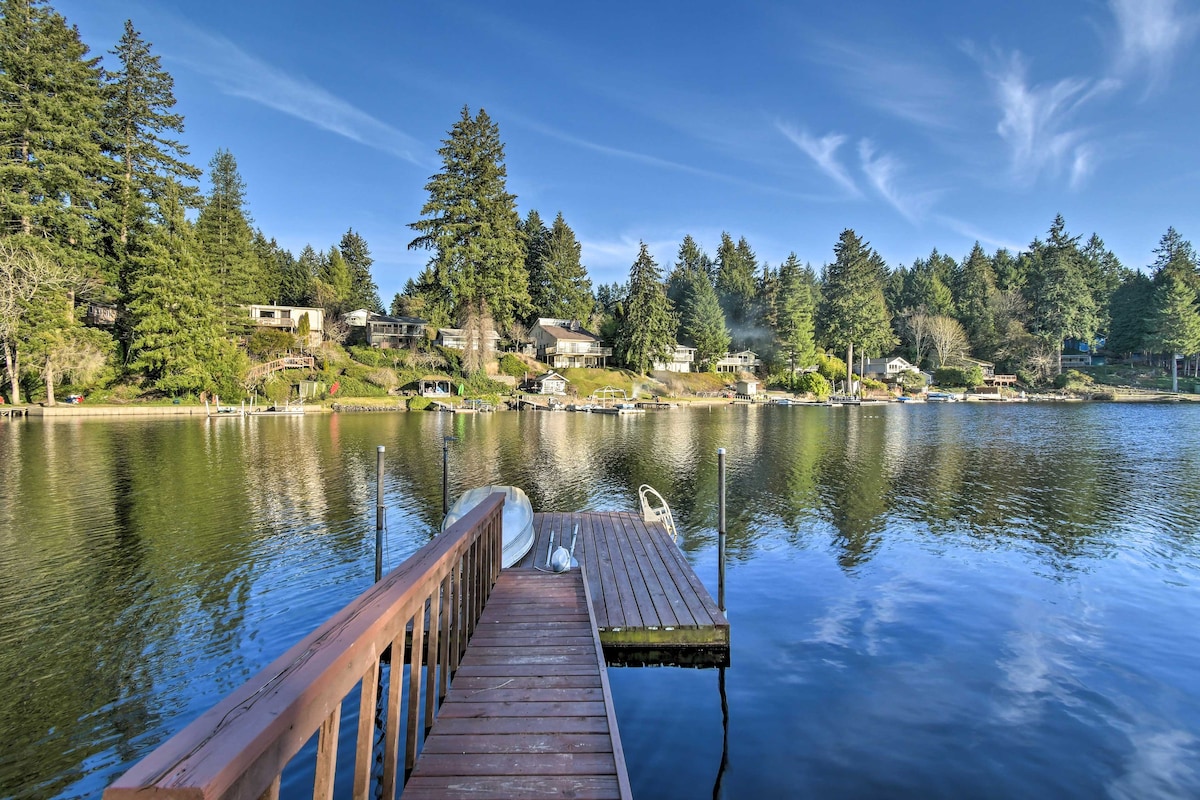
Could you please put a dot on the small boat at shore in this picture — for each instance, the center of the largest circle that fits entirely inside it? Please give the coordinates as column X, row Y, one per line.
column 517, row 520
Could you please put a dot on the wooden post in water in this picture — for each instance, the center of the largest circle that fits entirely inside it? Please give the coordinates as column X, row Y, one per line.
column 721, row 528
column 379, row 513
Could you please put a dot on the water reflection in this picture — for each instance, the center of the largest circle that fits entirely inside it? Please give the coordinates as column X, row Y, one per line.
column 950, row 595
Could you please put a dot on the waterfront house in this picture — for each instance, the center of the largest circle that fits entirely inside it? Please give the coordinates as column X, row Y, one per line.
column 887, row 369
column 288, row 318
column 744, row 361
column 456, row 339
column 563, row 343
column 1070, row 360
column 680, row 360
column 379, row 330
column 549, row 383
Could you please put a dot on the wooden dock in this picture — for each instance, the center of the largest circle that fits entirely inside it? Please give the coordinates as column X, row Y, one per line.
column 529, row 711
column 506, row 692
column 649, row 603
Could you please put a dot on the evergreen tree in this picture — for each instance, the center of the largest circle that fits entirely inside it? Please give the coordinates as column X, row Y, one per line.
column 853, row 309
column 536, row 239
column 1060, row 303
column 1103, row 273
column 363, row 291
column 1175, row 324
column 271, row 264
column 224, row 236
column 978, row 284
column 689, row 261
column 1129, row 328
column 737, row 269
column 470, row 223
column 332, row 286
column 926, row 290
column 569, row 290
column 1009, row 271
column 647, row 332
column 139, row 123
column 51, row 109
column 1175, row 256
column 425, row 298
column 702, row 323
column 794, row 304
column 177, row 326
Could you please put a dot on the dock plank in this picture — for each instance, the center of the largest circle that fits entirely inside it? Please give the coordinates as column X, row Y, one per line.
column 645, row 595
column 529, row 712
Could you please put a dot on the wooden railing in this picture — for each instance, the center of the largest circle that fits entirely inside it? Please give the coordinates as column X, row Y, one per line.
column 260, row 371
column 239, row 748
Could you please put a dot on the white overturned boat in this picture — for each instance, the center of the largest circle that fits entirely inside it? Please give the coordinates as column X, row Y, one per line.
column 517, row 521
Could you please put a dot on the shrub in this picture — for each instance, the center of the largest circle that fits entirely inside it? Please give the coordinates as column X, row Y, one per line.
column 831, row 367
column 911, row 381
column 874, row 385
column 371, row 356
column 418, row 403
column 813, row 383
column 268, row 342
column 511, row 365
column 969, row 377
column 384, row 378
column 1074, row 379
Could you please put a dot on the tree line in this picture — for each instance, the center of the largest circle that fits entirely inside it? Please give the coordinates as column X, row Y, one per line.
column 1017, row 310
column 102, row 210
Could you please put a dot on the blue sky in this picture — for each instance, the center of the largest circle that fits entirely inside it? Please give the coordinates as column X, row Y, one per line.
column 919, row 124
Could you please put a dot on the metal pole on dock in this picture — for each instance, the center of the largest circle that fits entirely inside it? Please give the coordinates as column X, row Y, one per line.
column 721, row 528
column 379, row 513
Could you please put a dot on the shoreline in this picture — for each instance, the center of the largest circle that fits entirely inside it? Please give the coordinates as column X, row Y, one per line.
column 134, row 410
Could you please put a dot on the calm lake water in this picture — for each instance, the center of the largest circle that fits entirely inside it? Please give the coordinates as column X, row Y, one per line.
column 930, row 601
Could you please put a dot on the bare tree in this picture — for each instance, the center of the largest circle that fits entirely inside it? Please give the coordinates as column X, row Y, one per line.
column 918, row 333
column 24, row 275
column 947, row 337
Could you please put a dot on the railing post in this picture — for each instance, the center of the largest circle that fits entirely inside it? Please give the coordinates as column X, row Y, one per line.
column 379, row 513
column 721, row 528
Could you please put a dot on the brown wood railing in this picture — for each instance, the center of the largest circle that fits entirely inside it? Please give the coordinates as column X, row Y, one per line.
column 239, row 748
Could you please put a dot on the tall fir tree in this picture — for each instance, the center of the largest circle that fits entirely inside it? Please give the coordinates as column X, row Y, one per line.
column 794, row 314
column 691, row 259
column 737, row 269
column 977, row 285
column 1060, row 302
column 570, row 290
column 178, row 331
column 331, row 289
column 1175, row 256
column 1103, row 273
column 1175, row 323
column 363, row 291
column 647, row 332
column 536, row 236
column 702, row 322
column 470, row 223
column 51, row 108
column 1129, row 315
column 853, row 310
column 223, row 232
column 140, row 127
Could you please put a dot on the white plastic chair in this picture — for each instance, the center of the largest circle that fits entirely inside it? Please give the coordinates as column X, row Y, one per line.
column 655, row 509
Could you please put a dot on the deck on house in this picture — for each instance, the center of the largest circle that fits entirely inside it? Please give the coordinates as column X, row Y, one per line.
column 529, row 710
column 648, row 601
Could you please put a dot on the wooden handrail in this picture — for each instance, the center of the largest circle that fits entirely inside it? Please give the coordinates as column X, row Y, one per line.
column 239, row 748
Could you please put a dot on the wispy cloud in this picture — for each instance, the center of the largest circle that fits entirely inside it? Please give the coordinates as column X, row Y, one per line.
column 917, row 92
column 1036, row 121
column 654, row 161
column 239, row 74
column 823, row 151
column 881, row 170
column 1151, row 33
column 969, row 231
